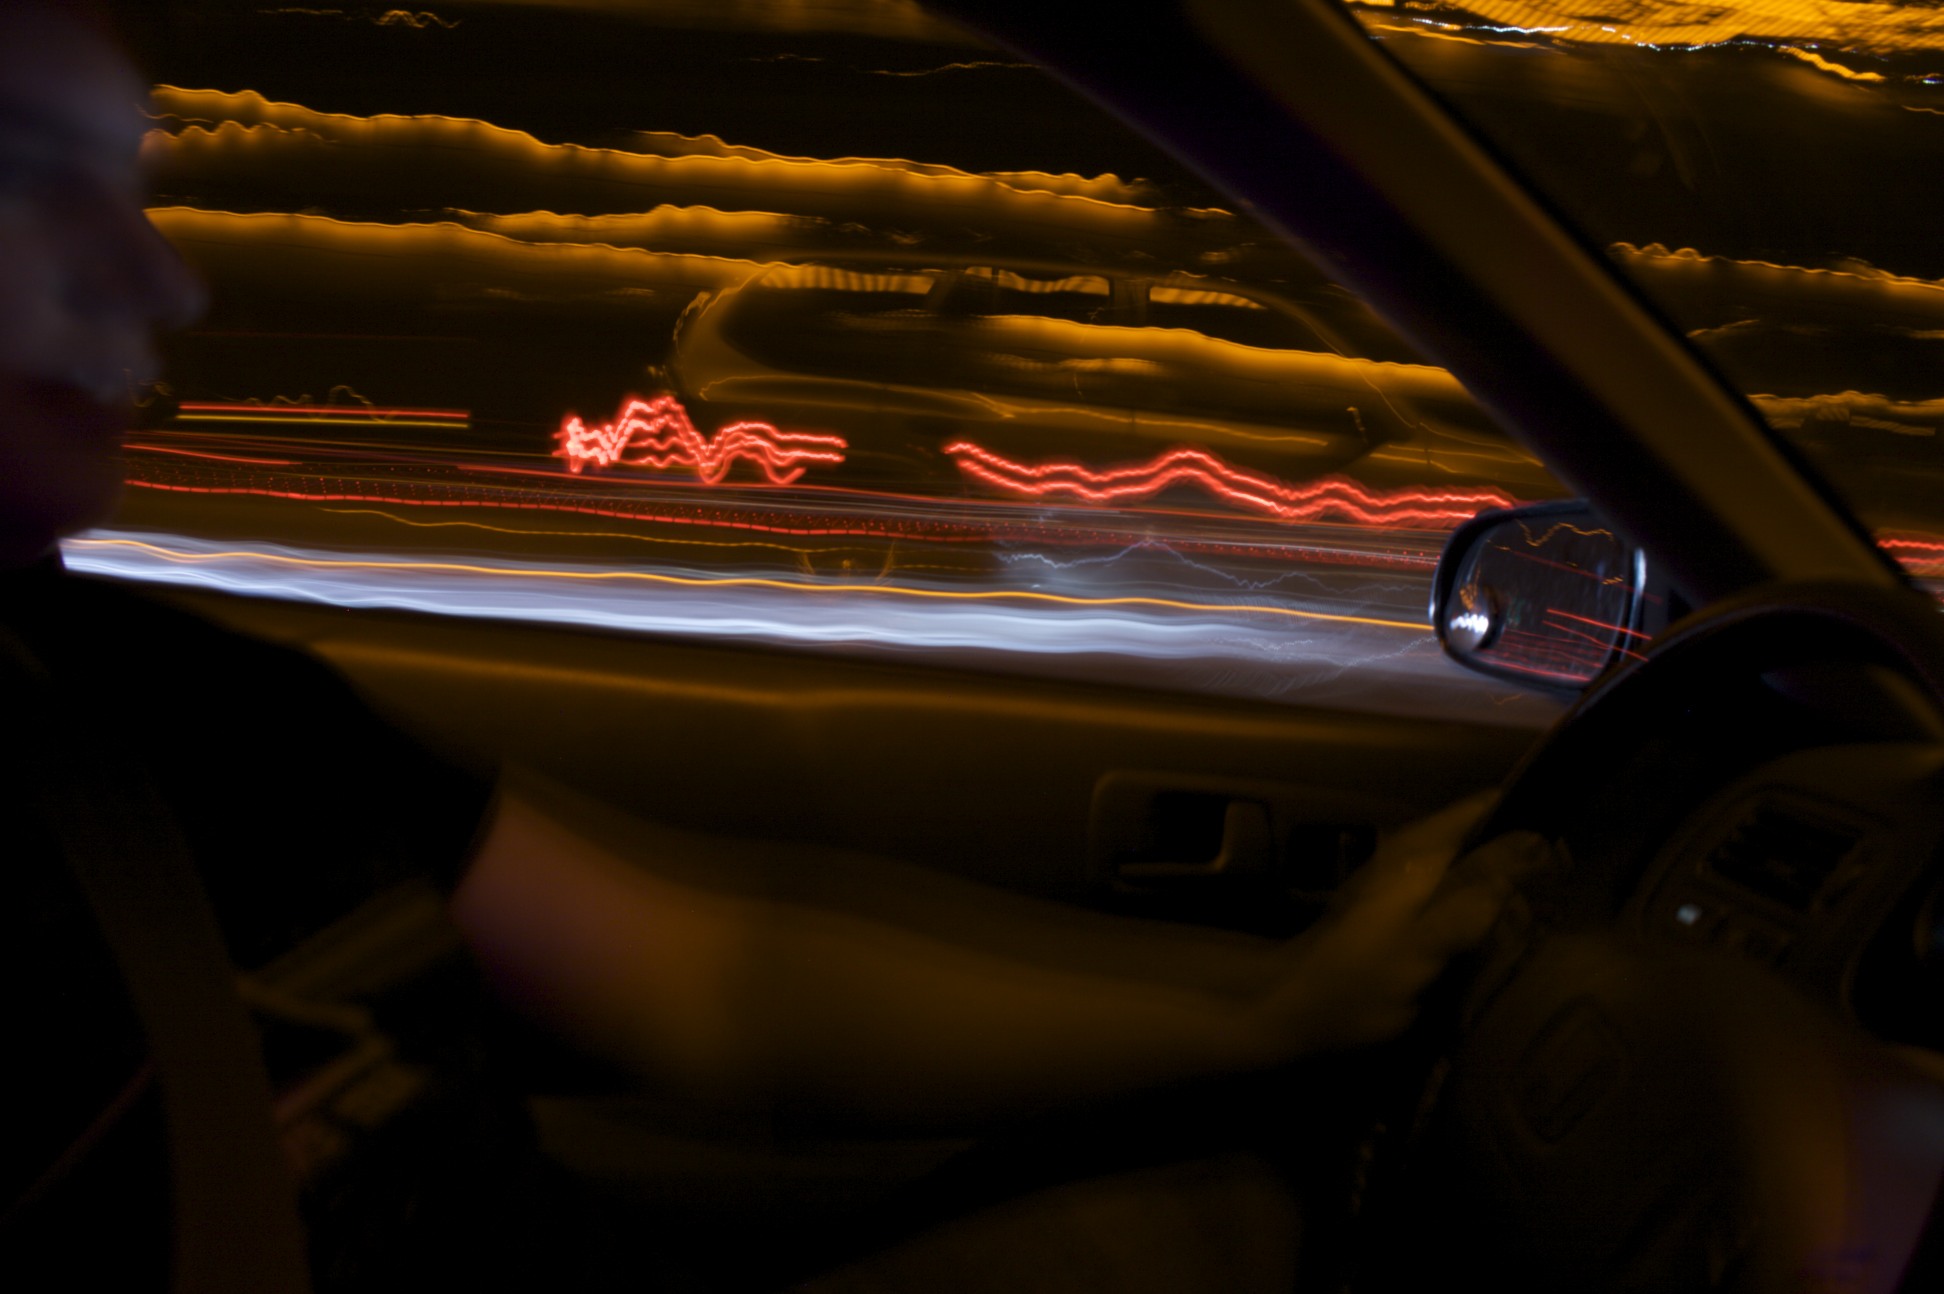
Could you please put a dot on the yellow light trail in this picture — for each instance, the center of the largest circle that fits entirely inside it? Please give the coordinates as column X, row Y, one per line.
column 247, row 118
column 1871, row 28
column 743, row 581
column 891, row 19
column 333, row 246
column 319, row 420
column 1660, row 253
column 1822, row 64
column 660, row 227
column 1882, row 296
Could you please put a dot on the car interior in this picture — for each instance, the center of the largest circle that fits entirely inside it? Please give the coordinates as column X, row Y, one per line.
column 987, row 588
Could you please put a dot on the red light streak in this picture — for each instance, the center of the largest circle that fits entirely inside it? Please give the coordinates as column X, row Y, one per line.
column 1602, row 643
column 1253, row 491
column 1568, row 567
column 1607, row 625
column 1896, row 543
column 544, row 506
column 661, row 436
column 220, row 458
column 1549, row 657
column 425, row 495
column 1919, row 554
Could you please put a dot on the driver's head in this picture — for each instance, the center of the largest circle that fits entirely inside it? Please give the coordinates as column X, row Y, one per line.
column 85, row 280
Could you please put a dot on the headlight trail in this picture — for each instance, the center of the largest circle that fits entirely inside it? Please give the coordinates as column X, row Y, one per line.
column 180, row 551
column 1266, row 652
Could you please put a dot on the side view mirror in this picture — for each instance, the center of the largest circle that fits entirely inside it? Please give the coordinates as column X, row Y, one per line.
column 1548, row 594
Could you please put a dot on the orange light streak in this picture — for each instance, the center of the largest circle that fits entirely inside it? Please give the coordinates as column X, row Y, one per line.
column 1887, row 297
column 1860, row 25
column 312, row 420
column 1252, row 491
column 665, row 161
column 668, row 227
column 1822, row 64
column 334, row 410
column 657, row 434
column 1857, row 410
column 313, row 251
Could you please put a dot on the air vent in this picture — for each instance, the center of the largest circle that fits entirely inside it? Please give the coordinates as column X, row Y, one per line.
column 1782, row 854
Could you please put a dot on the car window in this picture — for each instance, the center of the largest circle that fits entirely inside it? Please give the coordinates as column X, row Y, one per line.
column 821, row 326
column 1766, row 175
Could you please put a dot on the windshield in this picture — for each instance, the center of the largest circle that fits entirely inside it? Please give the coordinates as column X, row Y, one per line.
column 1766, row 174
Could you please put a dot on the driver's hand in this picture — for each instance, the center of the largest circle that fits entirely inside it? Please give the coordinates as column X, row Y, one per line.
column 1355, row 976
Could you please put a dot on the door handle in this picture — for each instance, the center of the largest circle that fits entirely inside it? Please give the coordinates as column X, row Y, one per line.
column 1245, row 849
column 1166, row 834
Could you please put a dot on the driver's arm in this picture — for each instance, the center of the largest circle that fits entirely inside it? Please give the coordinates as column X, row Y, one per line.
column 751, row 1000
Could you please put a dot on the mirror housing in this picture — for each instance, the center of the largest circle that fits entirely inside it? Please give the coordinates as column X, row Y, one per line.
column 1548, row 594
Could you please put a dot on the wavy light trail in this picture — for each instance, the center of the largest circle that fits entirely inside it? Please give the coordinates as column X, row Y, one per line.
column 312, row 251
column 667, row 167
column 1920, row 554
column 657, row 434
column 1769, row 286
column 1251, row 491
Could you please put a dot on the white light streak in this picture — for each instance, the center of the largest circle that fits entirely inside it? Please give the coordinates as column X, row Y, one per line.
column 1233, row 653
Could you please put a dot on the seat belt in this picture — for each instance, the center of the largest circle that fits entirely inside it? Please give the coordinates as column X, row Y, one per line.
column 237, row 1229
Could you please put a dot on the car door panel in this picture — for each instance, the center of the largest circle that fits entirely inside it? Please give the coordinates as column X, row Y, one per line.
column 986, row 776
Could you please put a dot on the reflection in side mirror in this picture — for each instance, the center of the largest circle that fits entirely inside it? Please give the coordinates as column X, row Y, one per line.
column 1548, row 594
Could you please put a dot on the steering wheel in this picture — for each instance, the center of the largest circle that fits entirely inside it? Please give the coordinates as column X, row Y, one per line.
column 1654, row 1077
